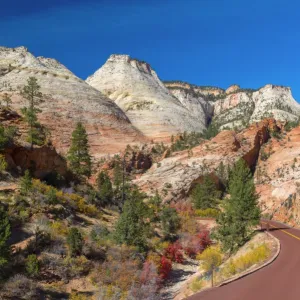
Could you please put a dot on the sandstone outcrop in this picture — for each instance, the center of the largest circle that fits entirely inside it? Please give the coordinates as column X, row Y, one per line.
column 277, row 177
column 242, row 107
column 237, row 107
column 67, row 100
column 174, row 176
column 135, row 87
column 42, row 161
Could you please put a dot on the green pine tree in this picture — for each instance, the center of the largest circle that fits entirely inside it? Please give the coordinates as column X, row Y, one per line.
column 221, row 172
column 26, row 183
column 75, row 241
column 104, row 187
column 51, row 196
column 78, row 156
column 31, row 92
column 131, row 227
column 241, row 212
column 211, row 131
column 4, row 236
column 205, row 195
column 117, row 171
column 120, row 176
column 170, row 221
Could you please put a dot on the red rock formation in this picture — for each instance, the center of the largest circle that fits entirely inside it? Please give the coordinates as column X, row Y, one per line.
column 41, row 160
column 183, row 169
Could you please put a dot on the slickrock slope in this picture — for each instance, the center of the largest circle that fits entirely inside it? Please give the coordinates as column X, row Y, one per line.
column 278, row 177
column 239, row 107
column 194, row 98
column 149, row 105
column 19, row 157
column 173, row 177
column 68, row 100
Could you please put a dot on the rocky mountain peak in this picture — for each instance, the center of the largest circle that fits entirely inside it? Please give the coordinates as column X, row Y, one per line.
column 233, row 88
column 68, row 100
column 135, row 87
column 54, row 65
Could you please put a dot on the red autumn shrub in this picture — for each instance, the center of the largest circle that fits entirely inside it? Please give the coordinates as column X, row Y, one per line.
column 165, row 268
column 196, row 243
column 190, row 252
column 174, row 252
column 204, row 239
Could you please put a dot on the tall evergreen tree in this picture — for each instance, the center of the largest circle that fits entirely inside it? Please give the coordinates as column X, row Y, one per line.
column 120, row 181
column 104, row 187
column 170, row 221
column 241, row 212
column 131, row 228
column 117, row 171
column 78, row 156
column 205, row 195
column 4, row 236
column 26, row 183
column 31, row 92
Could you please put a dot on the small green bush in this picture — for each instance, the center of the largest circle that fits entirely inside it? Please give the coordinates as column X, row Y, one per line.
column 75, row 242
column 32, row 265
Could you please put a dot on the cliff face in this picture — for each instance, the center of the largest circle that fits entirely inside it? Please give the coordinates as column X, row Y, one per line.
column 174, row 177
column 149, row 105
column 68, row 99
column 124, row 102
column 237, row 107
column 240, row 106
column 277, row 177
column 160, row 109
column 194, row 99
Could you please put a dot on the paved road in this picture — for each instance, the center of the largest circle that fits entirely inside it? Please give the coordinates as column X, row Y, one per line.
column 278, row 281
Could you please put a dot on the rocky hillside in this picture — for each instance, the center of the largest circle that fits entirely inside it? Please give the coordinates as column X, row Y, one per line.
column 278, row 177
column 68, row 99
column 160, row 109
column 149, row 105
column 142, row 107
column 238, row 107
column 175, row 176
column 270, row 149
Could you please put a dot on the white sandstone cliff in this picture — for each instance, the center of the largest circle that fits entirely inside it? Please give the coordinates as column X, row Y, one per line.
column 149, row 105
column 67, row 100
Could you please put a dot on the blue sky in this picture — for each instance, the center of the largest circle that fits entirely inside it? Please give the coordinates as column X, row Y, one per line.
column 205, row 42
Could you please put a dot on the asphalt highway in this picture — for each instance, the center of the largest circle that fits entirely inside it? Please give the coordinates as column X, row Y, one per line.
column 278, row 281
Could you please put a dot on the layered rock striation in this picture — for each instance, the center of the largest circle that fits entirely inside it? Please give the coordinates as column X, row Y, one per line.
column 175, row 176
column 135, row 87
column 67, row 100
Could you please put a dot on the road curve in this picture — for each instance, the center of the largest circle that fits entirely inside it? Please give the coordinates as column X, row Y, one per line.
column 277, row 281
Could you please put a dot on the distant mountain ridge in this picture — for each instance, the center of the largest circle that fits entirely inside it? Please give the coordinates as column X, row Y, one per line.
column 125, row 102
column 236, row 107
column 137, row 90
